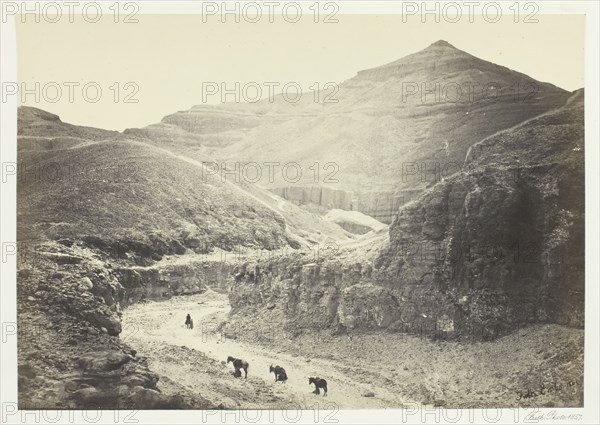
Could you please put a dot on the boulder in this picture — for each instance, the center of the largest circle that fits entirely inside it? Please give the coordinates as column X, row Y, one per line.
column 87, row 284
column 103, row 361
column 27, row 370
column 111, row 322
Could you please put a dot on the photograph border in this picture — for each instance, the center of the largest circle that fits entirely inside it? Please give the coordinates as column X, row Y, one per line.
column 587, row 414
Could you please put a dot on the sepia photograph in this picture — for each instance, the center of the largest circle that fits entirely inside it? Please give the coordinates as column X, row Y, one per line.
column 303, row 208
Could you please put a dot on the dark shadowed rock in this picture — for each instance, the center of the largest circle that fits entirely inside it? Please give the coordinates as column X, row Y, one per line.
column 103, row 361
column 369, row 394
column 106, row 320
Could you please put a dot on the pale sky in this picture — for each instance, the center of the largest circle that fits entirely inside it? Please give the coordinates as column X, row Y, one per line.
column 169, row 56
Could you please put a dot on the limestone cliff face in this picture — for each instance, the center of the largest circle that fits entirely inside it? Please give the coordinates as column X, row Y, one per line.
column 384, row 205
column 162, row 281
column 316, row 195
column 496, row 246
column 332, row 293
column 381, row 205
column 206, row 120
column 308, row 292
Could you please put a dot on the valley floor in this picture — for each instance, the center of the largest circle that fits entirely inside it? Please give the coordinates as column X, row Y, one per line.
column 540, row 365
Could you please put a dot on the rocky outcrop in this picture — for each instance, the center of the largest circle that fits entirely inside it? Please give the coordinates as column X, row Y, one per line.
column 72, row 351
column 162, row 281
column 35, row 123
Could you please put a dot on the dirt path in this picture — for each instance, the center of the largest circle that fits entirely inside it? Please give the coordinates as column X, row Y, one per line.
column 157, row 331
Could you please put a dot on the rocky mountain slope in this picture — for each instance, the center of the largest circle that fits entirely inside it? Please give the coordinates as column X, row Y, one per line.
column 131, row 200
column 387, row 126
column 494, row 247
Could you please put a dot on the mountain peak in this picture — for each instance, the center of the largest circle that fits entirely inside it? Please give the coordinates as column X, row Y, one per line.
column 442, row 60
column 440, row 52
column 442, row 43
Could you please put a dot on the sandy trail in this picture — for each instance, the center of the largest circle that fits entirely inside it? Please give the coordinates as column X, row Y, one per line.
column 151, row 327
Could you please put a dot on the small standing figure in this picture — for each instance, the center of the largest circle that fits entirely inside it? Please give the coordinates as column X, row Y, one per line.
column 189, row 323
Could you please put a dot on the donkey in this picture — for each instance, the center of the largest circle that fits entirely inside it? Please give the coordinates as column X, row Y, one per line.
column 238, row 364
column 319, row 383
column 279, row 372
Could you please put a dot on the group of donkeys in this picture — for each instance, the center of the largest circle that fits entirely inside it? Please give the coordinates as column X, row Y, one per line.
column 280, row 374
